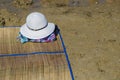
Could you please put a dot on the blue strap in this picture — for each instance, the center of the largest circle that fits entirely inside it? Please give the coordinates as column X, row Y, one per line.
column 69, row 66
column 25, row 54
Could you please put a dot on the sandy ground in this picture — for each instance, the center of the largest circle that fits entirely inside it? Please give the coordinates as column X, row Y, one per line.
column 91, row 35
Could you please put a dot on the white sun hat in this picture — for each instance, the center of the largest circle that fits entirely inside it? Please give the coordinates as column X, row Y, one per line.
column 36, row 26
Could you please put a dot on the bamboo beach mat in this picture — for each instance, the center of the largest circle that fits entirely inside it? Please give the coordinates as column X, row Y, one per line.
column 14, row 66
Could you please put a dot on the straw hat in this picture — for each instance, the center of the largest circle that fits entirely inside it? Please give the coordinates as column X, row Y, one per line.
column 36, row 26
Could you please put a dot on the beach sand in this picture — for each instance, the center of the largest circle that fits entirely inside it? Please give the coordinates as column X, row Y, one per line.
column 91, row 35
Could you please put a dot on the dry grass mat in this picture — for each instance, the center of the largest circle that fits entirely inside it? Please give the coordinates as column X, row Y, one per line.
column 29, row 66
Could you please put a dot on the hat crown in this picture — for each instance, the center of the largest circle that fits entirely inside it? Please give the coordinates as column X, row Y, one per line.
column 36, row 21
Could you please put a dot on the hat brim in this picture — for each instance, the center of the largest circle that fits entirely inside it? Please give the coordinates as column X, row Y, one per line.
column 25, row 31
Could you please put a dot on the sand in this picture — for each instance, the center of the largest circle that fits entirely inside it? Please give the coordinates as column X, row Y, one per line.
column 91, row 35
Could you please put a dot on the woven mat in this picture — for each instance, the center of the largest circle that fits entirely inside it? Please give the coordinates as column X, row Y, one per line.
column 31, row 66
